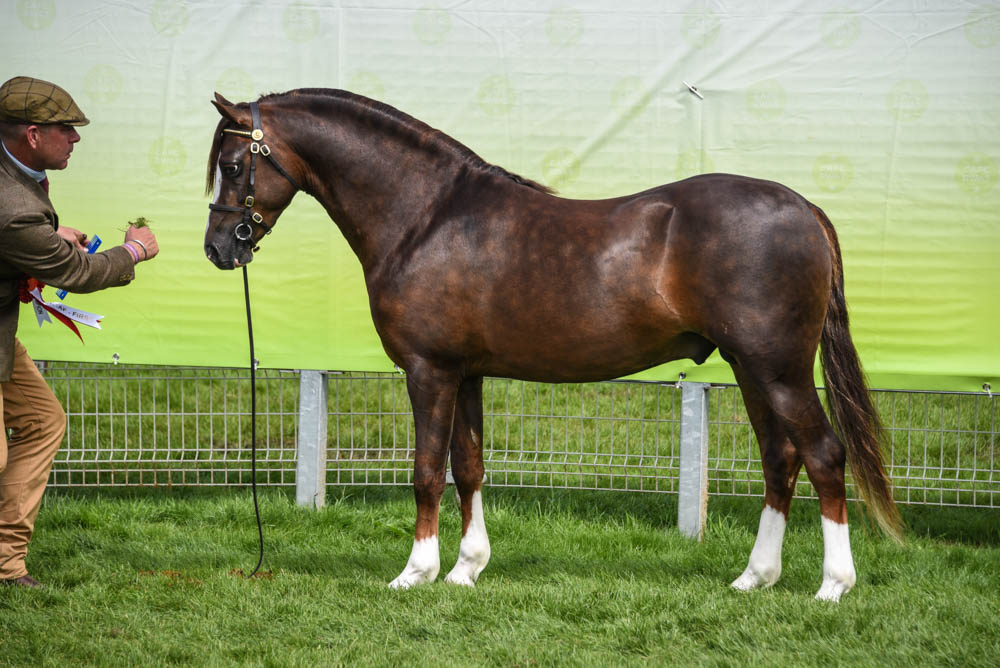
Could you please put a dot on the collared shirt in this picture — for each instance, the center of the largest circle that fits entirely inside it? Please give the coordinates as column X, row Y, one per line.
column 33, row 173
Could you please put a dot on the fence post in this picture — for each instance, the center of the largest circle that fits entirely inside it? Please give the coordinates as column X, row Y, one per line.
column 693, row 485
column 310, row 448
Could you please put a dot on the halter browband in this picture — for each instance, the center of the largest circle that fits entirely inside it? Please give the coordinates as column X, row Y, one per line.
column 244, row 231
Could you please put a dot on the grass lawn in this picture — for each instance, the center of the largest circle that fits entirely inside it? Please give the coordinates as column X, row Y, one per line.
column 150, row 576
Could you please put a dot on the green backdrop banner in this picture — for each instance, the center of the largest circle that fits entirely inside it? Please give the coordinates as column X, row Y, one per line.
column 886, row 114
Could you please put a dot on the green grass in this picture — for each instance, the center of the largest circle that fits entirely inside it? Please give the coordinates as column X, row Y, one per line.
column 146, row 577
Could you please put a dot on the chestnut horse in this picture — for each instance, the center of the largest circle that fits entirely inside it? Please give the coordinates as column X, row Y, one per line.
column 473, row 271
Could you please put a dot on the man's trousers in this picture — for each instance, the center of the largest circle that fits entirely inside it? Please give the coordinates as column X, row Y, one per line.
column 36, row 424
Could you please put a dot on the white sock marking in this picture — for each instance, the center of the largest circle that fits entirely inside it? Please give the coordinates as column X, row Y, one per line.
column 838, row 564
column 474, row 551
column 423, row 566
column 764, row 567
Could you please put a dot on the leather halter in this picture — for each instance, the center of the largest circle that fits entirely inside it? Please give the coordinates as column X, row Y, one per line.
column 244, row 231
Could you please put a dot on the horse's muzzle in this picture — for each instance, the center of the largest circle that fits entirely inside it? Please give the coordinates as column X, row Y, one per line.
column 228, row 258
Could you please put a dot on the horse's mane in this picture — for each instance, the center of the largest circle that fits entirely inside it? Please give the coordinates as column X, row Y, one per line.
column 393, row 117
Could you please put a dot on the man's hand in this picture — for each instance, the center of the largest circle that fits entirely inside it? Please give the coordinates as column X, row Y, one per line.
column 143, row 240
column 74, row 236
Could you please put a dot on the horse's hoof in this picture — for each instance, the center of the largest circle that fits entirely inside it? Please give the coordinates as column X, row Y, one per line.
column 407, row 580
column 422, row 566
column 469, row 565
column 751, row 580
column 458, row 577
column 832, row 590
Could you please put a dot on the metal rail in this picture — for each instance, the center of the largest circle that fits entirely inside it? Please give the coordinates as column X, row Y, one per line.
column 136, row 425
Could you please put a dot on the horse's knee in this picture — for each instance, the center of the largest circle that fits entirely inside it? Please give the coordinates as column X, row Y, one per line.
column 428, row 483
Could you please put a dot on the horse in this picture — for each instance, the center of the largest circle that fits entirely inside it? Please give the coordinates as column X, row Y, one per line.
column 474, row 271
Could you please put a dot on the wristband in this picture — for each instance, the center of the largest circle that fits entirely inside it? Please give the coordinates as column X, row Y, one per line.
column 133, row 252
column 145, row 253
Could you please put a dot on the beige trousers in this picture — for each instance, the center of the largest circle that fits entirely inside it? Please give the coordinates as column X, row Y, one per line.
column 37, row 423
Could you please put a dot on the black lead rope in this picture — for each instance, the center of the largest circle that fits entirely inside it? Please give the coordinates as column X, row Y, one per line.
column 253, row 425
column 244, row 232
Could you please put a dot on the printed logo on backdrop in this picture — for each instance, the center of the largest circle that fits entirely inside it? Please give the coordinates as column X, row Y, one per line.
column 907, row 100
column 628, row 97
column 982, row 27
column 833, row 172
column 564, row 26
column 560, row 167
column 840, row 28
column 169, row 17
column 167, row 156
column 625, row 91
column 431, row 24
column 236, row 84
column 368, row 84
column 497, row 95
column 976, row 173
column 700, row 28
column 102, row 84
column 36, row 14
column 691, row 163
column 766, row 100
column 300, row 22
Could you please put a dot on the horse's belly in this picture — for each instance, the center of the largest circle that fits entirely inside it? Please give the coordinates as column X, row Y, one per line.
column 556, row 350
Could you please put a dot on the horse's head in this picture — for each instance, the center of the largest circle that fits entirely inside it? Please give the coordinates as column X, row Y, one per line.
column 246, row 198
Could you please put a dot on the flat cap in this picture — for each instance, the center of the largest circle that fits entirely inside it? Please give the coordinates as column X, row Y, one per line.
column 28, row 100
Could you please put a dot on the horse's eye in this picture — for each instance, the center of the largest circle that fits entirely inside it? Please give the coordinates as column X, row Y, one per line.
column 231, row 169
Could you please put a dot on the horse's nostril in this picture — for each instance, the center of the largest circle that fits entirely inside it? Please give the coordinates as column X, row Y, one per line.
column 212, row 253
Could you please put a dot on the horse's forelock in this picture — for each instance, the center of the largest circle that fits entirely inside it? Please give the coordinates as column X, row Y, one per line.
column 213, row 157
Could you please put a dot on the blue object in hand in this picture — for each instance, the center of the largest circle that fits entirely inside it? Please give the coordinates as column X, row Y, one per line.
column 91, row 247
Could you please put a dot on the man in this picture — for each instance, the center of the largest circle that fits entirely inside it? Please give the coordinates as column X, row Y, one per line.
column 38, row 123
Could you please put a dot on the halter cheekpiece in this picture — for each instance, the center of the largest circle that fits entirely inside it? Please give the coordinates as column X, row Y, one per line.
column 244, row 231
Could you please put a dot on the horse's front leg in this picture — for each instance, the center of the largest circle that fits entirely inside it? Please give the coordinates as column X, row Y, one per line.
column 467, row 468
column 432, row 394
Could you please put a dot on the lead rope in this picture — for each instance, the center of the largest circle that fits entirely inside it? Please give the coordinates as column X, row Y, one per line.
column 253, row 425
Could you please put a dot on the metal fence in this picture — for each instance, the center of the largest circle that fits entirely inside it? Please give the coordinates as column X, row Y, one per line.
column 135, row 425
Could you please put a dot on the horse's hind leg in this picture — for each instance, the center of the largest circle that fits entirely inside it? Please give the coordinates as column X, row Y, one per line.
column 433, row 394
column 467, row 469
column 781, row 466
column 798, row 409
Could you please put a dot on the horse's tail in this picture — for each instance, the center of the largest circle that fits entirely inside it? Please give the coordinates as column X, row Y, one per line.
column 852, row 412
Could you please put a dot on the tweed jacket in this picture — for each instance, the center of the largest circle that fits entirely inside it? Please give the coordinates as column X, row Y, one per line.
column 30, row 246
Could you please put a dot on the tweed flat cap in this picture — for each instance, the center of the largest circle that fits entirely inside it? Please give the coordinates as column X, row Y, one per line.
column 28, row 100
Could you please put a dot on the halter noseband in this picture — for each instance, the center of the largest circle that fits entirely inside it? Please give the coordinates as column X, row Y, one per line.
column 244, row 231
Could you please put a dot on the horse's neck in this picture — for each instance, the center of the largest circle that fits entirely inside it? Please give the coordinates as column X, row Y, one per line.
column 376, row 196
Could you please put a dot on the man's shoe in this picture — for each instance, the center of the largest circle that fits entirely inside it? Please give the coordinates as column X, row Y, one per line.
column 24, row 581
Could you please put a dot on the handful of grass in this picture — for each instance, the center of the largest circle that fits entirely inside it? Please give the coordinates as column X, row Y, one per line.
column 139, row 222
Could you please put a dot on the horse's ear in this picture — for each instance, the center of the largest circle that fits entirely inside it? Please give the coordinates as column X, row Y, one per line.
column 228, row 110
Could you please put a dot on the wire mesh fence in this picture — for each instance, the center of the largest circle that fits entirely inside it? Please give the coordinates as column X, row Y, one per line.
column 133, row 425
column 136, row 425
